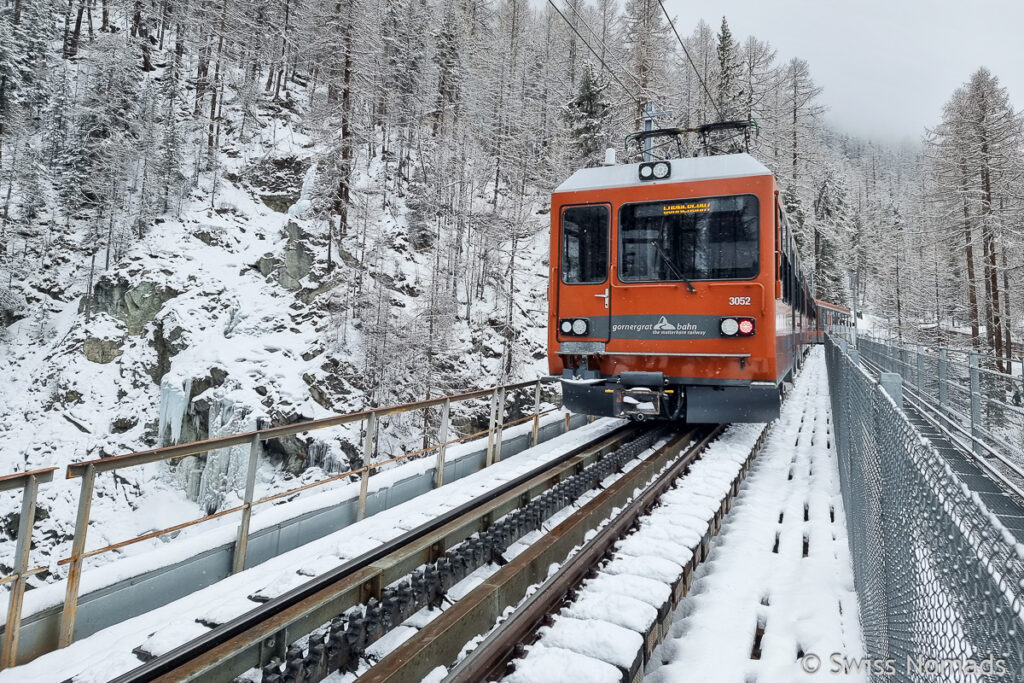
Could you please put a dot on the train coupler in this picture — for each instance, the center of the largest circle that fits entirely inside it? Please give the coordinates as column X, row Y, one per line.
column 641, row 403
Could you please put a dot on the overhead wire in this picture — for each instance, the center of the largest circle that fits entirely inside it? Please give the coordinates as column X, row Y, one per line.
column 592, row 50
column 721, row 116
column 600, row 40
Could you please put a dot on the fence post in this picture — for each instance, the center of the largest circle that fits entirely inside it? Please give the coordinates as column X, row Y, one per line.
column 364, row 476
column 920, row 369
column 499, row 425
column 242, row 542
column 975, row 403
column 446, row 412
column 9, row 656
column 67, row 618
column 943, row 389
column 534, row 435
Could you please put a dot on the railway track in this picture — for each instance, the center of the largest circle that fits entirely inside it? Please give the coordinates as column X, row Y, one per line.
column 332, row 622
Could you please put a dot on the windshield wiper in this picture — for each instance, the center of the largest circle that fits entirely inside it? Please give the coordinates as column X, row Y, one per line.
column 672, row 266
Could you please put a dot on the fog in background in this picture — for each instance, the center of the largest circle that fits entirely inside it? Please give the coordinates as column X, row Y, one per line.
column 886, row 67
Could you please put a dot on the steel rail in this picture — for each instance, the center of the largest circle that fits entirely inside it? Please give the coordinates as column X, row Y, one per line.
column 252, row 639
column 440, row 641
column 489, row 658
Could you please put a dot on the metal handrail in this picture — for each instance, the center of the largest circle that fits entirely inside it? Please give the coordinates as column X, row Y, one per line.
column 89, row 469
column 290, row 492
column 932, row 414
column 197, row 447
column 968, row 383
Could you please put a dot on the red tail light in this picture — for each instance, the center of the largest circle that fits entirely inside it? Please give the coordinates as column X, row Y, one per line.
column 737, row 327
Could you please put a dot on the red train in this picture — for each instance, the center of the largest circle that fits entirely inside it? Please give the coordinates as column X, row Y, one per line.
column 832, row 319
column 675, row 291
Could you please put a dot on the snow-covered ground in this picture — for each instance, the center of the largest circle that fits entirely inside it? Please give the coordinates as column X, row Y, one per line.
column 109, row 652
column 780, row 567
column 226, row 314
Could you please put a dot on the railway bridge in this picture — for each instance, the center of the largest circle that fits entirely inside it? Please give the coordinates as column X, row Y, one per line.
column 876, row 525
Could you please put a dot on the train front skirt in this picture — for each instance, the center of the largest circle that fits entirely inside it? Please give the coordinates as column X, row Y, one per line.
column 693, row 403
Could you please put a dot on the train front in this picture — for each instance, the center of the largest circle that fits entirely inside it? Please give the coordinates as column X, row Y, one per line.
column 662, row 291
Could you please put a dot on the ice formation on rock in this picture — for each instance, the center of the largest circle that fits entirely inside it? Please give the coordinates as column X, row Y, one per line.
column 174, row 396
column 225, row 468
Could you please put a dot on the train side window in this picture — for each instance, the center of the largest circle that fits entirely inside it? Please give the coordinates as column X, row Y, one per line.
column 785, row 278
column 585, row 244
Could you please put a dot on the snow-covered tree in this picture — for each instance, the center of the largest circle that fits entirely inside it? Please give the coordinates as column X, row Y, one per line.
column 588, row 119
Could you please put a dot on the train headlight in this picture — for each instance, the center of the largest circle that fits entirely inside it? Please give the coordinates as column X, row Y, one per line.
column 655, row 170
column 746, row 327
column 579, row 327
column 566, row 327
column 729, row 326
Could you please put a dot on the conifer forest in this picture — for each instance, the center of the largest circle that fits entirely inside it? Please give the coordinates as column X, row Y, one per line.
column 218, row 214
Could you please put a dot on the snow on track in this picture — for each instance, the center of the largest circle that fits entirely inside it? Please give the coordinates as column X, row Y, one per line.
column 622, row 603
column 779, row 574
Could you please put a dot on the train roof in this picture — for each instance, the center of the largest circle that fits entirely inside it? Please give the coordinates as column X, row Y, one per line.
column 683, row 171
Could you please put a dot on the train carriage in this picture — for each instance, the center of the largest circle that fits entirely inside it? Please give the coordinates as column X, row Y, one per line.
column 832, row 319
column 675, row 291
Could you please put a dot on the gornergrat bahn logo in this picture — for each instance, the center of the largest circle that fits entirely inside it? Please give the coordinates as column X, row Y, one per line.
column 663, row 327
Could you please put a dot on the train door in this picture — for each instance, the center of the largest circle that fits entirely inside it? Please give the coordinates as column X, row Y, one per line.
column 584, row 301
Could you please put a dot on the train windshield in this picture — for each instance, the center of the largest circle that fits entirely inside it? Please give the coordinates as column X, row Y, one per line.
column 715, row 238
column 585, row 244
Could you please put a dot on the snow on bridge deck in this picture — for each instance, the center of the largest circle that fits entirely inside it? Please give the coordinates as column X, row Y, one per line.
column 778, row 585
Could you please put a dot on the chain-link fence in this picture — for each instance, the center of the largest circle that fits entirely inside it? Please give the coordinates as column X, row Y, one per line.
column 940, row 581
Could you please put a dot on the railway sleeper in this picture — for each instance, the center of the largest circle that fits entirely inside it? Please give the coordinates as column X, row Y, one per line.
column 342, row 645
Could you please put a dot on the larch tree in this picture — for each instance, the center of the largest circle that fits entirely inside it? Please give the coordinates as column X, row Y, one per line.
column 646, row 36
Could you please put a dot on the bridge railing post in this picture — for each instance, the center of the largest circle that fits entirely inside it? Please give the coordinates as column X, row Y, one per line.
column 920, row 369
column 892, row 383
column 490, row 428
column 242, row 542
column 499, row 425
column 67, row 620
column 22, row 552
column 534, row 434
column 364, row 476
column 446, row 411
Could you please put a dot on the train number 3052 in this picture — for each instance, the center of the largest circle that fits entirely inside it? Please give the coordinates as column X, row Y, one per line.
column 739, row 300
